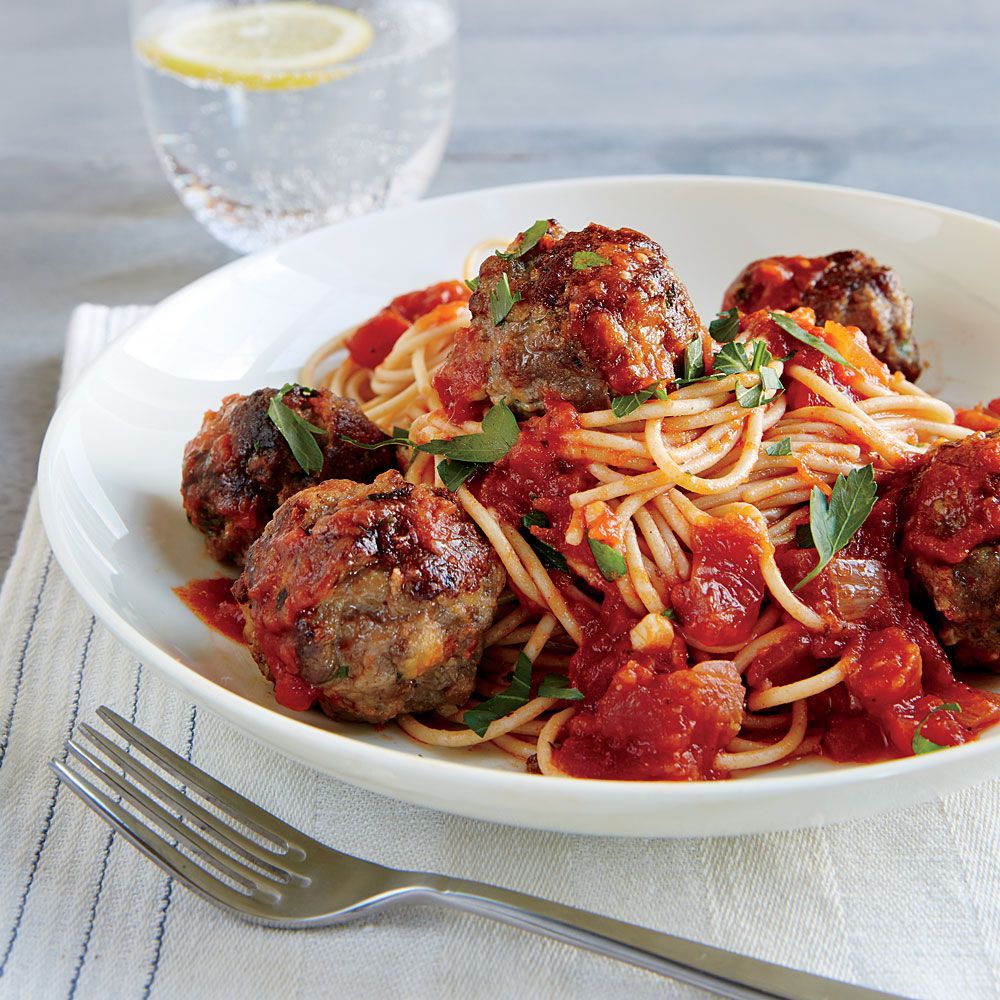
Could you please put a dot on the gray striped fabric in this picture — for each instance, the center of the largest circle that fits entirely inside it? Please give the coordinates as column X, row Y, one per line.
column 908, row 902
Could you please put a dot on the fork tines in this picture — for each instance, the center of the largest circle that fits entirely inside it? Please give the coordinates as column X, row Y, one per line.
column 245, row 871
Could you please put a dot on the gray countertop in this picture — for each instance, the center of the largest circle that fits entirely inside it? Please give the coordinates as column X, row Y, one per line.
column 900, row 96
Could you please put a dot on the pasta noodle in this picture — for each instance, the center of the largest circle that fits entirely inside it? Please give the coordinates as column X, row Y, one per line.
column 664, row 473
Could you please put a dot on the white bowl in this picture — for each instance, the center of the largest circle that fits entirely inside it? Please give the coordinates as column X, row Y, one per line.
column 110, row 465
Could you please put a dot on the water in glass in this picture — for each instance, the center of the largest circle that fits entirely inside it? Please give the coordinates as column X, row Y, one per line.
column 259, row 157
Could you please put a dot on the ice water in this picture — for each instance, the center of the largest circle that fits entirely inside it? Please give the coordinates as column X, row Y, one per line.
column 256, row 166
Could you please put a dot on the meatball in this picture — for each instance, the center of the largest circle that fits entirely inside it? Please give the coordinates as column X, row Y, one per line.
column 951, row 542
column 847, row 287
column 594, row 314
column 238, row 468
column 370, row 599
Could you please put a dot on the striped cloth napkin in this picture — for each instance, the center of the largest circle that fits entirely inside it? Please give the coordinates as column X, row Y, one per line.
column 908, row 903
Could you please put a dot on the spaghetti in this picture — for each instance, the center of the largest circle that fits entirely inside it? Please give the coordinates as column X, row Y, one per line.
column 702, row 498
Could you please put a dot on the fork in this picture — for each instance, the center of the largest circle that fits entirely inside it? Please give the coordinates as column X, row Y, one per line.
column 268, row 872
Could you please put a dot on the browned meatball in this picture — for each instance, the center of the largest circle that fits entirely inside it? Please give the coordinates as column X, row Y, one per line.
column 370, row 599
column 238, row 467
column 847, row 287
column 951, row 541
column 579, row 329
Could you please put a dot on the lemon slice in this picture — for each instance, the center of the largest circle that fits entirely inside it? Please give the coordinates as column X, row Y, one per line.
column 283, row 45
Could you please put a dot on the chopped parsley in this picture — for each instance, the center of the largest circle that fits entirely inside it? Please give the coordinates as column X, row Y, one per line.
column 725, row 327
column 583, row 259
column 833, row 523
column 694, row 361
column 609, row 561
column 558, row 686
column 530, row 239
column 548, row 555
column 297, row 432
column 501, row 300
column 810, row 339
column 921, row 744
column 465, row 454
column 622, row 406
column 517, row 693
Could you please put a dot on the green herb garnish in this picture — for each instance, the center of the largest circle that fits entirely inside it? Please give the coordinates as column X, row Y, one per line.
column 498, row 436
column 810, row 339
column 923, row 745
column 549, row 556
column 472, row 284
column 400, row 439
column 609, row 561
column 733, row 360
column 518, row 693
column 778, row 448
column 583, row 259
column 694, row 361
column 558, row 686
column 622, row 406
column 466, row 454
column 342, row 671
column 297, row 432
column 501, row 300
column 725, row 327
column 669, row 614
column 833, row 523
column 531, row 237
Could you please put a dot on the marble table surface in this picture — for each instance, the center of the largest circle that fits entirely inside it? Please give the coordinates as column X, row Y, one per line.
column 900, row 96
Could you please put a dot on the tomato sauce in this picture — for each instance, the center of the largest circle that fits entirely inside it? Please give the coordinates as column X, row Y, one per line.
column 774, row 283
column 898, row 676
column 720, row 603
column 848, row 341
column 461, row 383
column 213, row 602
column 535, row 475
column 372, row 341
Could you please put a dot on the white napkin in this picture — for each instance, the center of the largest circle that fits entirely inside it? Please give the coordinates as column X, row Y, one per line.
column 908, row 902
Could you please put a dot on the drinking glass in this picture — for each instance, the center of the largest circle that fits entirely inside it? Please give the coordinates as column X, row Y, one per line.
column 258, row 156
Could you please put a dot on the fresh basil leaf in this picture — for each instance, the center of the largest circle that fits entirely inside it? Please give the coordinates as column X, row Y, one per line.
column 454, row 474
column 472, row 284
column 501, row 300
column 921, row 744
column 583, row 259
column 810, row 339
column 694, row 360
column 833, row 523
column 297, row 432
column 531, row 237
column 726, row 326
column 609, row 561
column 558, row 686
column 518, row 693
column 778, row 448
column 548, row 555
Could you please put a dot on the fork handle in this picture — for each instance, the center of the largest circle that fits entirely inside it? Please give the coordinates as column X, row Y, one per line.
column 726, row 973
